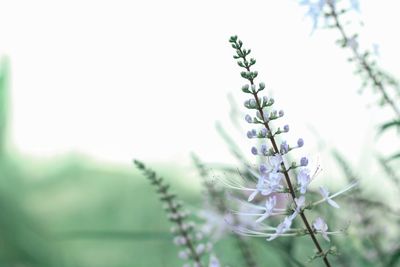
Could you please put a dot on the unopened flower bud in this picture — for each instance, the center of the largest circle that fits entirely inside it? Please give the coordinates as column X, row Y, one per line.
column 248, row 118
column 303, row 161
column 300, row 142
column 286, row 128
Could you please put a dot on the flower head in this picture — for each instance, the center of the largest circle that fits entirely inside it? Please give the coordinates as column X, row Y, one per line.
column 269, row 207
column 303, row 179
column 325, row 194
column 321, row 227
column 281, row 228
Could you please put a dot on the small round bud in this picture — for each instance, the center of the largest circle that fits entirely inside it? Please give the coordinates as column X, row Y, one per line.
column 245, row 87
column 286, row 128
column 303, row 161
column 281, row 113
column 253, row 88
column 300, row 142
column 252, row 103
column 254, row 132
column 265, row 99
column 263, row 168
column 183, row 255
column 271, row 101
column 247, row 103
column 262, row 85
column 248, row 118
column 254, row 150
column 250, row 134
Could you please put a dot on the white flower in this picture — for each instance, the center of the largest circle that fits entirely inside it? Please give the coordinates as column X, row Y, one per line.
column 267, row 185
column 281, row 228
column 259, row 188
column 273, row 183
column 270, row 204
column 275, row 162
column 303, row 179
column 321, row 227
column 325, row 194
column 214, row 262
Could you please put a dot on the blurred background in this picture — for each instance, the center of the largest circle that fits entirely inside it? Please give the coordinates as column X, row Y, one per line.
column 86, row 86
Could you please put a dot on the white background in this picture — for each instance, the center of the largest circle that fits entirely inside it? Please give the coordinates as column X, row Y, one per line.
column 149, row 79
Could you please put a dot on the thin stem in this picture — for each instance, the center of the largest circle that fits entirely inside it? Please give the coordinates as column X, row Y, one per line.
column 362, row 61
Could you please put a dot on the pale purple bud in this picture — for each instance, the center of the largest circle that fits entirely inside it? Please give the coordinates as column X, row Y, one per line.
column 254, row 150
column 284, row 147
column 248, row 118
column 264, row 149
column 263, row 132
column 286, row 128
column 250, row 134
column 304, row 161
column 300, row 142
column 271, row 101
column 281, row 113
column 263, row 168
